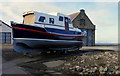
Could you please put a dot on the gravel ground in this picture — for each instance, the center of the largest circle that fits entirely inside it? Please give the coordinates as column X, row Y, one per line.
column 91, row 63
column 83, row 62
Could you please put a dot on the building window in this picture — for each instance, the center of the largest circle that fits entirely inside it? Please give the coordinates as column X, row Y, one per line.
column 82, row 21
column 5, row 37
column 42, row 19
column 51, row 20
column 60, row 18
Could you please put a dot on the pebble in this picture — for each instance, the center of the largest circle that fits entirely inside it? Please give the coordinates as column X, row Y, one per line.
column 87, row 69
column 67, row 64
column 94, row 69
column 70, row 68
column 107, row 52
column 97, row 58
column 80, row 73
column 116, row 67
column 77, row 68
column 82, row 61
column 101, row 69
column 86, row 73
column 117, row 72
column 105, row 69
column 113, row 57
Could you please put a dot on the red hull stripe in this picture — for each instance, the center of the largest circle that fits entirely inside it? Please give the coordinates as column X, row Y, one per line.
column 48, row 32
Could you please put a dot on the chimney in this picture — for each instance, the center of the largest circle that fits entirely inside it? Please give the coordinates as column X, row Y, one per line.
column 82, row 10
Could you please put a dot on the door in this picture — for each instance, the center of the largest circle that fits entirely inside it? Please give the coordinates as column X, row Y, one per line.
column 66, row 24
column 89, row 37
column 0, row 38
column 85, row 38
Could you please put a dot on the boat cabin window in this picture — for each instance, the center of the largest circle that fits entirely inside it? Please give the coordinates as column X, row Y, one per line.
column 42, row 19
column 60, row 18
column 69, row 21
column 51, row 20
column 29, row 19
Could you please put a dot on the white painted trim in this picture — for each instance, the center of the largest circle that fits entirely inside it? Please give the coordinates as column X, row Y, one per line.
column 44, row 39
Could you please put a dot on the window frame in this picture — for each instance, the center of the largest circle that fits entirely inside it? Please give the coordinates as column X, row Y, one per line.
column 41, row 20
column 69, row 21
column 60, row 18
column 50, row 20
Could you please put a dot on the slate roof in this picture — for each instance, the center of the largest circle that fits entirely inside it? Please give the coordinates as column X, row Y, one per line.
column 74, row 15
column 5, row 23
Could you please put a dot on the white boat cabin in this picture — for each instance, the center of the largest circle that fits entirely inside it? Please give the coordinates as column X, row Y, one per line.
column 40, row 19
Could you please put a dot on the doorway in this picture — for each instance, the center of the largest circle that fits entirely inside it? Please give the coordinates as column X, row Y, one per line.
column 66, row 24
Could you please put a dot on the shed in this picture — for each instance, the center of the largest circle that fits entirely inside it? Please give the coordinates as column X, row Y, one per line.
column 5, row 33
column 81, row 20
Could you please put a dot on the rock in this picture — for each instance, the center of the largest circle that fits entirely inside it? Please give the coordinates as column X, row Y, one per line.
column 80, row 70
column 67, row 64
column 108, row 62
column 97, row 58
column 96, row 64
column 107, row 53
column 82, row 61
column 70, row 68
column 87, row 69
column 117, row 72
column 109, row 72
column 86, row 73
column 77, row 68
column 105, row 69
column 94, row 69
column 101, row 70
column 80, row 73
column 116, row 67
column 113, row 57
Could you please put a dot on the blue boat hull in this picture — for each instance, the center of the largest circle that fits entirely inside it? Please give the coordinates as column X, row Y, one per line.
column 29, row 38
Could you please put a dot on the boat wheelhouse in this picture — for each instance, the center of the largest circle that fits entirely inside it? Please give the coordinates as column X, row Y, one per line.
column 41, row 31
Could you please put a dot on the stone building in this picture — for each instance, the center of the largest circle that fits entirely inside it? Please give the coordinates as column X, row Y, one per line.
column 81, row 20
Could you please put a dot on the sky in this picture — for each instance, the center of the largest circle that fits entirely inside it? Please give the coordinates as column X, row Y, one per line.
column 103, row 14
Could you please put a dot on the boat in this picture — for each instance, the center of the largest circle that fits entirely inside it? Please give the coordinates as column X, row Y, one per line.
column 41, row 32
